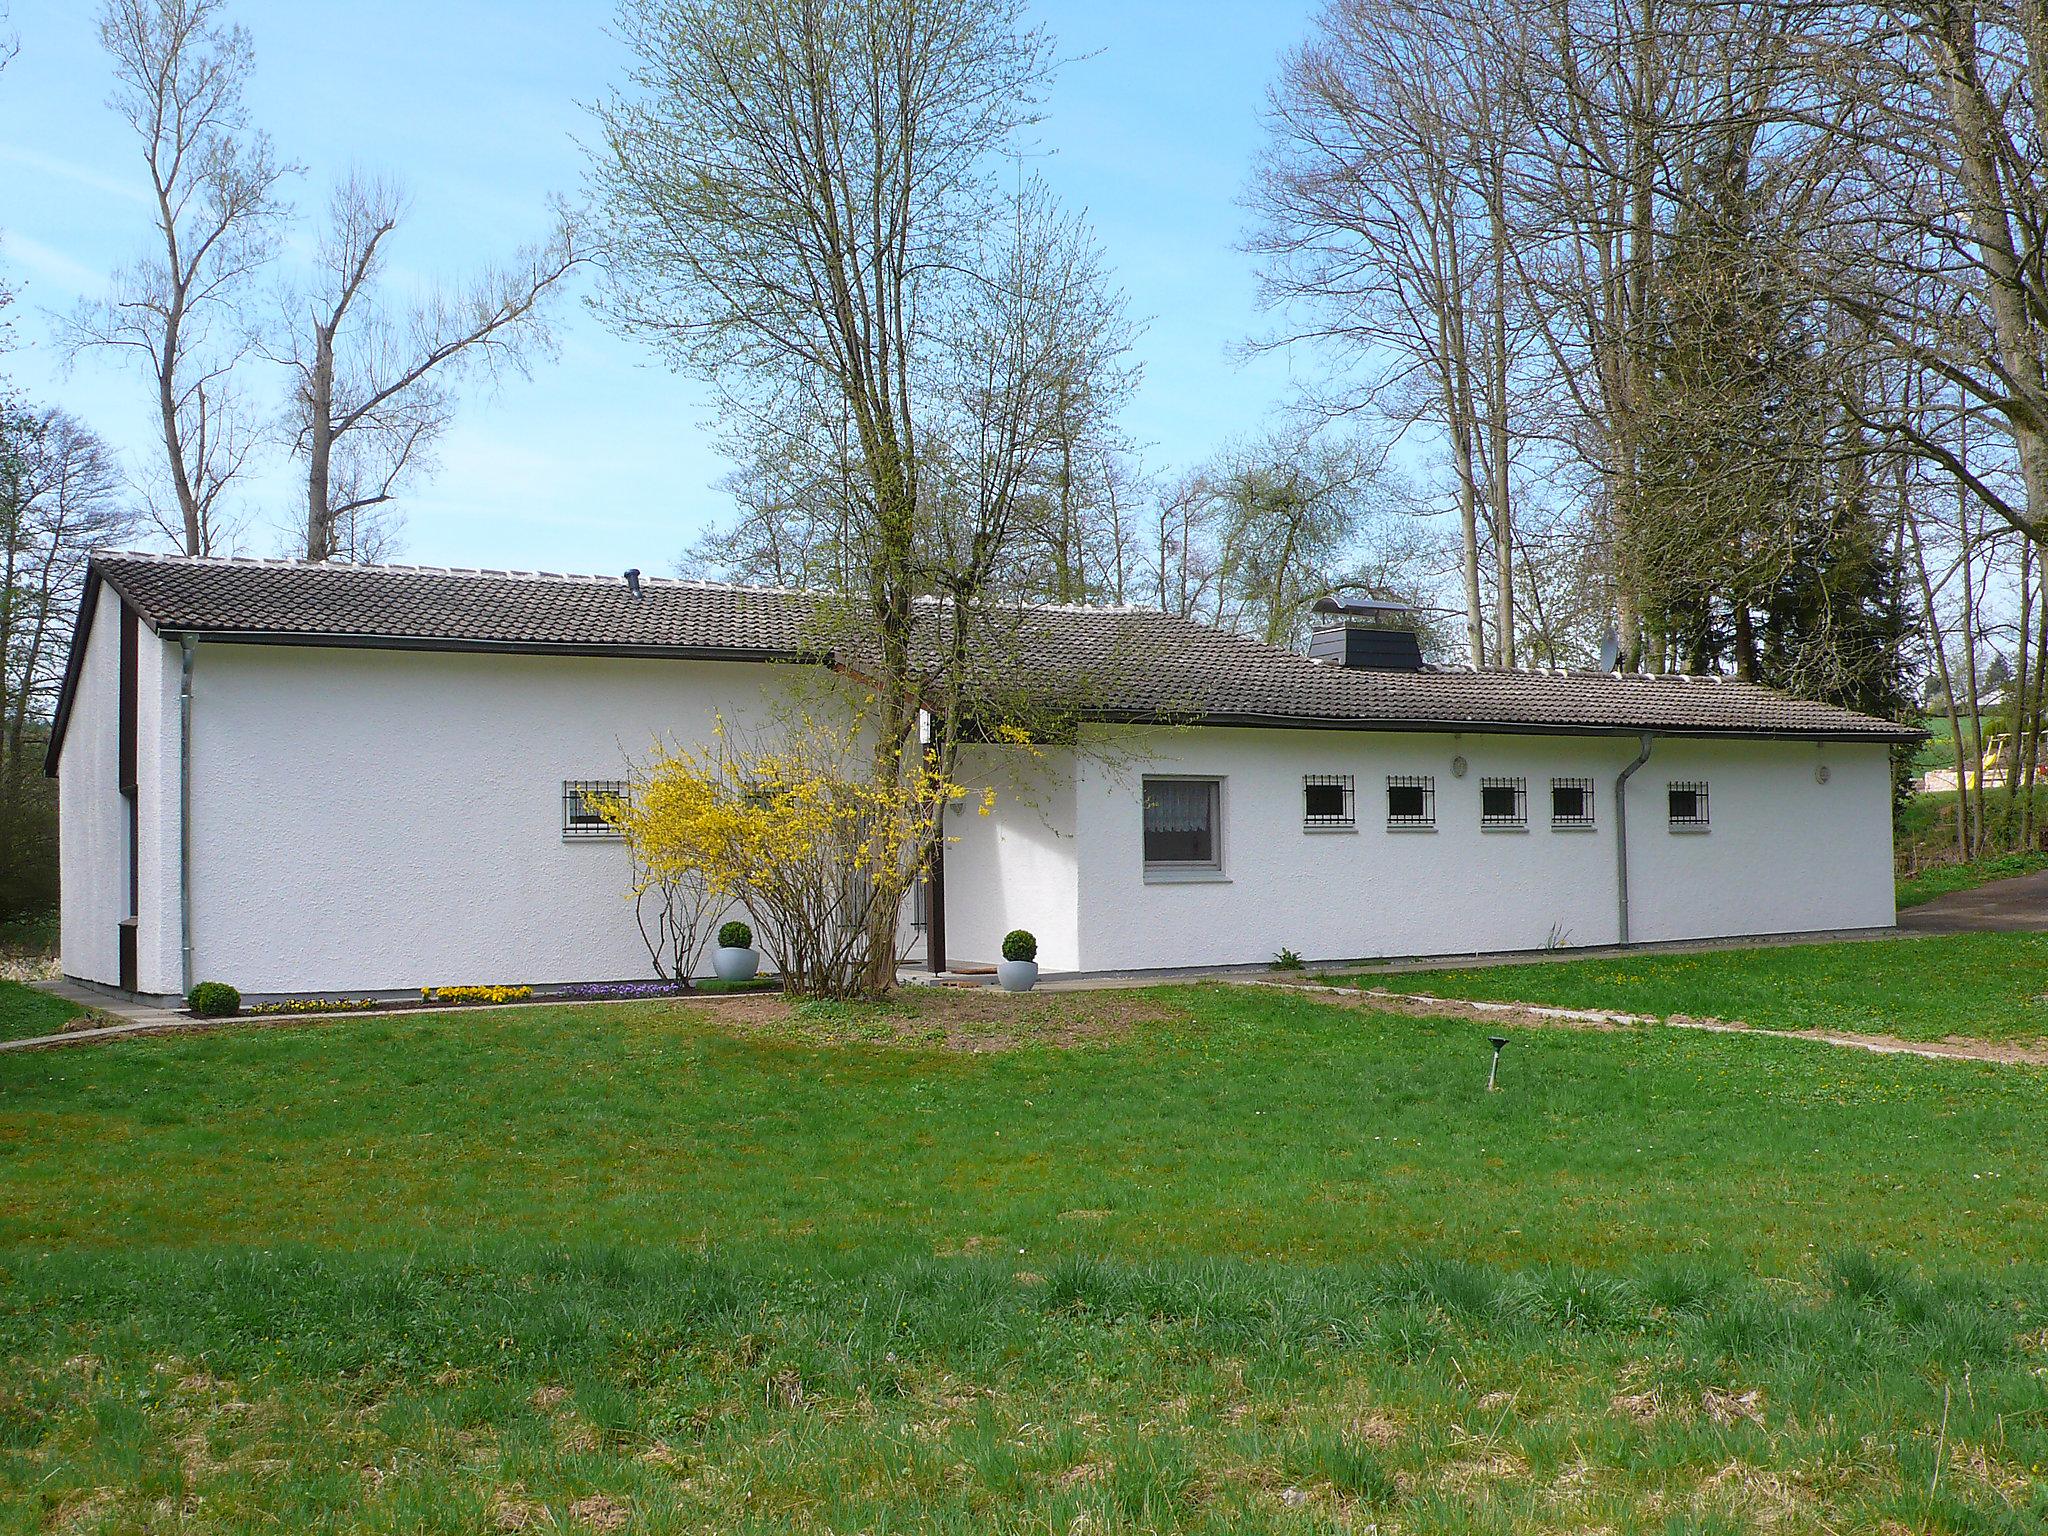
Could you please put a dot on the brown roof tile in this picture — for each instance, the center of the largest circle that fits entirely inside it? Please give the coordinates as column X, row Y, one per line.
column 1128, row 663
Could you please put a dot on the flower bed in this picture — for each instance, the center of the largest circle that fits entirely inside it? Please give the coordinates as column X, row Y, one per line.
column 476, row 994
column 318, row 1005
column 587, row 990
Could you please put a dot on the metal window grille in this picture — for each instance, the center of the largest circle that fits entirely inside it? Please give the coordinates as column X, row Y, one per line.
column 1571, row 802
column 1688, row 802
column 1327, row 800
column 581, row 802
column 1504, row 802
column 1411, row 800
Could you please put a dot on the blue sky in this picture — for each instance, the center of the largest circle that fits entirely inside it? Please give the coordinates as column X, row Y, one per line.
column 602, row 459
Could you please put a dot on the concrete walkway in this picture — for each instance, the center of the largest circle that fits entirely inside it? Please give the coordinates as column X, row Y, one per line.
column 2018, row 905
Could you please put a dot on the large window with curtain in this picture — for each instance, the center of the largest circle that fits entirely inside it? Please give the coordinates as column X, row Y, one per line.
column 1181, row 824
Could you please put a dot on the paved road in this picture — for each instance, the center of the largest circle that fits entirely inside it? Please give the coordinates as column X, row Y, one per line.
column 2018, row 905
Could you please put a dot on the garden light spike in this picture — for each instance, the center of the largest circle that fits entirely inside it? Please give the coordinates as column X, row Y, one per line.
column 1494, row 1071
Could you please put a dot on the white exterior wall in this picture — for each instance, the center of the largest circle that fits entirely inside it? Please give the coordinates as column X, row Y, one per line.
column 369, row 820
column 92, row 818
column 1784, row 853
column 159, row 945
column 1018, row 866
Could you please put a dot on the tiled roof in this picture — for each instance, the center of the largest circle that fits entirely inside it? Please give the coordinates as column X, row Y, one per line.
column 1118, row 663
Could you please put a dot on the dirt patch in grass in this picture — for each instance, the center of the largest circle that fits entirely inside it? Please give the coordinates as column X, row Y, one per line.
column 978, row 1019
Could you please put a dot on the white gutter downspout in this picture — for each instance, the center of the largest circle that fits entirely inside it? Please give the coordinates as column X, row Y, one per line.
column 186, row 646
column 1621, row 831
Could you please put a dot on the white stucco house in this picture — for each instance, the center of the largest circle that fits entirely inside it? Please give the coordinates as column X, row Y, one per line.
column 323, row 779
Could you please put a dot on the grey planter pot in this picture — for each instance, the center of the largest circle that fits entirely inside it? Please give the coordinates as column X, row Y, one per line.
column 735, row 964
column 1017, row 975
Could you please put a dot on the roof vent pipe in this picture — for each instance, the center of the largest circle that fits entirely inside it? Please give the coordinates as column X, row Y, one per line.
column 633, row 581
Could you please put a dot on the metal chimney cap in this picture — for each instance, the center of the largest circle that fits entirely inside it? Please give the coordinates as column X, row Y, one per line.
column 633, row 581
column 1362, row 607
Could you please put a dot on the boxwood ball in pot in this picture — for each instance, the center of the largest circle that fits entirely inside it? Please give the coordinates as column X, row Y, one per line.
column 1017, row 971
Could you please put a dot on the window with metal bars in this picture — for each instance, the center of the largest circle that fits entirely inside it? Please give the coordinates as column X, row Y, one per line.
column 1571, row 802
column 1411, row 800
column 1687, row 801
column 1327, row 801
column 1503, row 802
column 582, row 806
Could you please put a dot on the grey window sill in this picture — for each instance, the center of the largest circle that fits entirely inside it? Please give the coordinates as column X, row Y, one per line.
column 1504, row 826
column 1319, row 831
column 1573, row 826
column 593, row 837
column 1690, row 831
column 1167, row 875
column 1402, row 826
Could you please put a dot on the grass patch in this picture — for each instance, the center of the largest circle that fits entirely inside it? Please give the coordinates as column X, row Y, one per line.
column 26, row 1013
column 1247, row 1262
column 606, row 1388
column 713, row 985
column 1221, row 1121
column 1980, row 986
column 1941, row 879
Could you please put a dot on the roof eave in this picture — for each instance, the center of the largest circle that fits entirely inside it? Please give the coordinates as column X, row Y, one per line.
column 345, row 640
column 1903, row 736
column 74, row 664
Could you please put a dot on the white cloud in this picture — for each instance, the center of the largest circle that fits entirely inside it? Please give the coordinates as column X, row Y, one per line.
column 68, row 170
column 48, row 262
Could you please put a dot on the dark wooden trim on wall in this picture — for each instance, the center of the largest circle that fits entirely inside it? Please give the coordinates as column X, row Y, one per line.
column 129, row 750
column 131, row 689
column 935, row 906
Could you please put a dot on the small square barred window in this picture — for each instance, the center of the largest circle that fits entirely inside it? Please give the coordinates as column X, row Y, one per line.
column 582, row 802
column 1327, row 800
column 1411, row 800
column 1571, row 802
column 1503, row 802
column 1688, row 802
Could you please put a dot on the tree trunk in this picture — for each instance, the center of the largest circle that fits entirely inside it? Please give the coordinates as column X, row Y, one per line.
column 320, row 448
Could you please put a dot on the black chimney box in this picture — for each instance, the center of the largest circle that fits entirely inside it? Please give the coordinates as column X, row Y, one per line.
column 1365, row 633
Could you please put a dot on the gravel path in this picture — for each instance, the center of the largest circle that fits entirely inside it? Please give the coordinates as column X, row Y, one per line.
column 1421, row 1004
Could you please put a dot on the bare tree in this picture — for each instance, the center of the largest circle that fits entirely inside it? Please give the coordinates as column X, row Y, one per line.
column 373, row 384
column 179, row 73
column 1940, row 255
column 1382, row 200
column 60, row 499
column 806, row 211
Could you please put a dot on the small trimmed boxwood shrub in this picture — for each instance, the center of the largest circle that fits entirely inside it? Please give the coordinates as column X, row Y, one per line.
column 736, row 935
column 1018, row 944
column 214, row 1000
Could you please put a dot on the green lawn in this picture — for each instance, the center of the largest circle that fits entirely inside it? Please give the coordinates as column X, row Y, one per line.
column 1940, row 879
column 1200, row 1259
column 1985, row 986
column 25, row 1013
